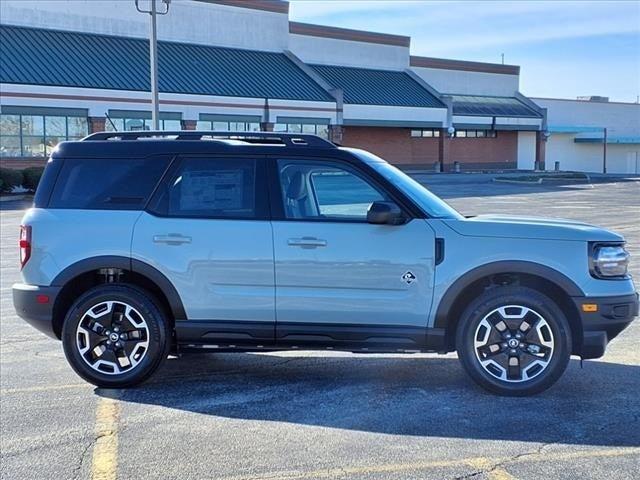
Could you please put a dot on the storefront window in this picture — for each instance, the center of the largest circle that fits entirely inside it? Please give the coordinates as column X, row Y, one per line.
column 476, row 134
column 139, row 124
column 228, row 126
column 426, row 132
column 309, row 128
column 37, row 135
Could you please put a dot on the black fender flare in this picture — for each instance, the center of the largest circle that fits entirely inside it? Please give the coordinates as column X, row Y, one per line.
column 125, row 263
column 494, row 268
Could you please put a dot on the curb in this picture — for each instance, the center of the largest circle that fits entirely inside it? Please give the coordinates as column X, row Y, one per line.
column 517, row 182
column 545, row 179
column 14, row 198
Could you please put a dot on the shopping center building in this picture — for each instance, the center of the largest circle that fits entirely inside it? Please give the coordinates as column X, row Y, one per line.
column 72, row 68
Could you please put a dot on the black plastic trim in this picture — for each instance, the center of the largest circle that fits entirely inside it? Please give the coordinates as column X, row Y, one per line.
column 38, row 315
column 494, row 268
column 248, row 335
column 439, row 256
column 599, row 328
column 125, row 263
column 382, row 338
column 156, row 276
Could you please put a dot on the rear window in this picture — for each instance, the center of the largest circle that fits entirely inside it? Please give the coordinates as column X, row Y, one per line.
column 107, row 183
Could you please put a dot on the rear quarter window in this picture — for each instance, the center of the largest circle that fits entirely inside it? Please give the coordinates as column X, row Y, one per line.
column 107, row 183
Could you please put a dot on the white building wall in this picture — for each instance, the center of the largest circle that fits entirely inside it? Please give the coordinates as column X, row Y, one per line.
column 332, row 51
column 526, row 150
column 398, row 114
column 469, row 83
column 588, row 157
column 187, row 21
column 622, row 119
column 588, row 119
column 100, row 101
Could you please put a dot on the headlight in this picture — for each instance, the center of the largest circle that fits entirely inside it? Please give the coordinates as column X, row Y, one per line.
column 609, row 261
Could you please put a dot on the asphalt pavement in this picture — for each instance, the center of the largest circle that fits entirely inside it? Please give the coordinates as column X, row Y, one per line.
column 318, row 415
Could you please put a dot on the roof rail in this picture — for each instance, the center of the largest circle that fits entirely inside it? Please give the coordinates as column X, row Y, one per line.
column 269, row 138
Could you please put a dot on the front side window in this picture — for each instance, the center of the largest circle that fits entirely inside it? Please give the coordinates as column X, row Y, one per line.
column 213, row 188
column 316, row 190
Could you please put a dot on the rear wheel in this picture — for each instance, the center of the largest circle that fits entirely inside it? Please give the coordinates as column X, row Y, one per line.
column 115, row 336
column 514, row 341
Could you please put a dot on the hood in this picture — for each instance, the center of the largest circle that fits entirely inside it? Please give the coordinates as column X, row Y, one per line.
column 507, row 226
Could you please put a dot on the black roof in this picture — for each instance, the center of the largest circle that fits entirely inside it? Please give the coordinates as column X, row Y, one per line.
column 140, row 144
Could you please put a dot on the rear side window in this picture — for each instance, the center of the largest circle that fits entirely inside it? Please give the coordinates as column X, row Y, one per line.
column 107, row 183
column 202, row 187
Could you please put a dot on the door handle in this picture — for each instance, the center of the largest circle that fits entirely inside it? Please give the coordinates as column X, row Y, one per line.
column 171, row 239
column 306, row 242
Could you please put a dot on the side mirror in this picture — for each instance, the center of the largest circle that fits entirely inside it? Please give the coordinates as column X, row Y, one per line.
column 385, row 213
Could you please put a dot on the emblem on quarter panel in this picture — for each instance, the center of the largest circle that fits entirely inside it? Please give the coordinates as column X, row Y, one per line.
column 408, row 278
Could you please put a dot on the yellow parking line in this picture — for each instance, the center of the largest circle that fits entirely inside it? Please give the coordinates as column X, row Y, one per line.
column 105, row 449
column 500, row 473
column 479, row 463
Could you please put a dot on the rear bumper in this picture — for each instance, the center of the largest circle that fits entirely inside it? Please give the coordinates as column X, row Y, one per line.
column 614, row 314
column 29, row 302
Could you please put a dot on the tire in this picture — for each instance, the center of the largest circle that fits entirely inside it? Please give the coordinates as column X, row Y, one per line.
column 115, row 336
column 488, row 350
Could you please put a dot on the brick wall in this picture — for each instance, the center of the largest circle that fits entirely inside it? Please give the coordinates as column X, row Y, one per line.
column 393, row 144
column 22, row 162
column 397, row 146
column 489, row 153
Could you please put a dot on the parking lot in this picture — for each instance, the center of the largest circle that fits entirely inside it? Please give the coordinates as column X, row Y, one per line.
column 311, row 415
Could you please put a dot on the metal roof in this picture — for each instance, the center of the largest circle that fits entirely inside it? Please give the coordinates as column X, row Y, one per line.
column 72, row 59
column 475, row 105
column 377, row 87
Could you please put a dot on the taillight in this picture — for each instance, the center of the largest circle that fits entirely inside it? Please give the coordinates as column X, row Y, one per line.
column 25, row 244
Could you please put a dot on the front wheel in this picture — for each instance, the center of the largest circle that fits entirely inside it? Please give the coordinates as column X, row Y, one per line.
column 115, row 336
column 514, row 341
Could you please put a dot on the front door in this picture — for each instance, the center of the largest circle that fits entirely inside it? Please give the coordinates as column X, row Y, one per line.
column 338, row 278
column 208, row 231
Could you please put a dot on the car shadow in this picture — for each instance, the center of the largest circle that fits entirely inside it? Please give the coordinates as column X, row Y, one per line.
column 432, row 397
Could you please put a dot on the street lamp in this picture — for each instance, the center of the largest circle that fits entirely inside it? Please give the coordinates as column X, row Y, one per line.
column 153, row 56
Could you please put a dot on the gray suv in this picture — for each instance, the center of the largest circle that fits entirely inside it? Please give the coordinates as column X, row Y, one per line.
column 145, row 244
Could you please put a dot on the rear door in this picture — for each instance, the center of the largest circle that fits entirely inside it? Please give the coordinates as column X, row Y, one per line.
column 207, row 229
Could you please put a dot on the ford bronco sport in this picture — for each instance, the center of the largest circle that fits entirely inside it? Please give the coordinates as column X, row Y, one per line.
column 142, row 244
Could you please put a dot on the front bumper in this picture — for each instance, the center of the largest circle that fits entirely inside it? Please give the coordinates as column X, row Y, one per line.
column 29, row 302
column 613, row 315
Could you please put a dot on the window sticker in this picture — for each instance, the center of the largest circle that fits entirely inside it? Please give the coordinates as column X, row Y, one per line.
column 212, row 190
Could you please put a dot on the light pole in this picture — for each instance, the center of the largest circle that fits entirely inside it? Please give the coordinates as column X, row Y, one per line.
column 604, row 152
column 153, row 57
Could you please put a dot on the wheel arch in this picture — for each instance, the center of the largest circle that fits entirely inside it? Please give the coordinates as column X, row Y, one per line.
column 83, row 275
column 545, row 279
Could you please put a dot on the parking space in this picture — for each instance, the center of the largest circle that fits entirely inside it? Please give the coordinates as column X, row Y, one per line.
column 312, row 415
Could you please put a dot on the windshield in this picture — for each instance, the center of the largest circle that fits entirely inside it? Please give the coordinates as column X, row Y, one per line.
column 432, row 205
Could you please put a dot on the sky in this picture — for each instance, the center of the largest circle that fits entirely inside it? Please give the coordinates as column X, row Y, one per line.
column 564, row 48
